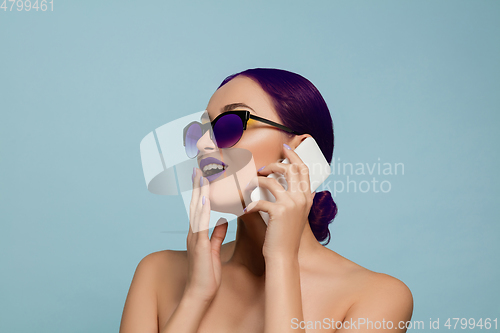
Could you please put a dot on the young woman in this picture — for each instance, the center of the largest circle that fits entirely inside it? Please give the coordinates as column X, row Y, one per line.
column 276, row 277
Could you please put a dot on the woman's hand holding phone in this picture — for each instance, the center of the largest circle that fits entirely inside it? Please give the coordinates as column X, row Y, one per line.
column 204, row 262
column 287, row 219
column 288, row 215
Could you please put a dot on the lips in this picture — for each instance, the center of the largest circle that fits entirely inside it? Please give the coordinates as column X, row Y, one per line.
column 209, row 160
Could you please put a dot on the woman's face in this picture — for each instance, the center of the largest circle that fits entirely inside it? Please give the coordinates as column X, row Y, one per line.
column 263, row 141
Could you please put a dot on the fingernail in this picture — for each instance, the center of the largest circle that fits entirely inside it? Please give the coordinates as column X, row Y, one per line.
column 287, row 146
column 194, row 171
column 245, row 210
column 261, row 168
column 201, row 181
column 249, row 183
column 203, row 200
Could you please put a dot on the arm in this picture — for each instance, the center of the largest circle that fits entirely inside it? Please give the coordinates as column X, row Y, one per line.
column 288, row 216
column 283, row 300
column 385, row 305
column 204, row 259
column 204, row 263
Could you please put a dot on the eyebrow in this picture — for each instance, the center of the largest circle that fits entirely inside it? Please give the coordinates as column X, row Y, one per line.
column 229, row 107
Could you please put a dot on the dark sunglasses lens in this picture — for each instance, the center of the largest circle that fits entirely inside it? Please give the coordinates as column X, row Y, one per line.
column 228, row 130
column 193, row 134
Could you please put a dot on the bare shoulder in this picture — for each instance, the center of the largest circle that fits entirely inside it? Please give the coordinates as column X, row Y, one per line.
column 172, row 262
column 170, row 266
column 386, row 286
column 166, row 261
column 368, row 289
column 388, row 295
column 155, row 274
column 162, row 269
column 171, row 269
column 156, row 264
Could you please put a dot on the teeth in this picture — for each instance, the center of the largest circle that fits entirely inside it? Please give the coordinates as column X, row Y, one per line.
column 212, row 166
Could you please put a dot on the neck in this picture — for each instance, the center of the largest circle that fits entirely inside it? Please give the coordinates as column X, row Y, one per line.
column 250, row 235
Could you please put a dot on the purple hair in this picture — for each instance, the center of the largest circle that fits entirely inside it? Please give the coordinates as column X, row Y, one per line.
column 301, row 107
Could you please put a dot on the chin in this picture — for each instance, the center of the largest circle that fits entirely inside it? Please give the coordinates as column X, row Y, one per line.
column 224, row 197
column 226, row 190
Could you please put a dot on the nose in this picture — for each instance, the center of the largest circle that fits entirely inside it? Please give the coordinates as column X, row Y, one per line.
column 205, row 144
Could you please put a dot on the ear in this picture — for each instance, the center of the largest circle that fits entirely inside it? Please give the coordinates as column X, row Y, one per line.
column 295, row 142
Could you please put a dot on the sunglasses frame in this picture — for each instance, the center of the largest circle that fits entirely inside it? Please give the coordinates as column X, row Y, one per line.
column 244, row 115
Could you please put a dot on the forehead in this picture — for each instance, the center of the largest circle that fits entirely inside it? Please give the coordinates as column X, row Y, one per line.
column 242, row 90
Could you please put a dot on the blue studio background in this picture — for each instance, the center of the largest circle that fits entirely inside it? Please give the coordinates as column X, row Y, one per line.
column 411, row 82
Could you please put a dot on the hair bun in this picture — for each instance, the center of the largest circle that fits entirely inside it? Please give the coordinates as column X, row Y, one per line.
column 322, row 213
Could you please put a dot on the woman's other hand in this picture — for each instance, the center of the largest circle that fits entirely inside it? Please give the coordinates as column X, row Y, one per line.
column 204, row 262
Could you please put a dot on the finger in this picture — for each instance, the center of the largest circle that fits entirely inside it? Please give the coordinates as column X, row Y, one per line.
column 253, row 183
column 276, row 167
column 292, row 156
column 197, row 203
column 189, row 236
column 293, row 179
column 261, row 205
column 192, row 207
column 303, row 180
column 195, row 194
column 289, row 171
column 205, row 213
column 203, row 216
column 218, row 236
column 276, row 189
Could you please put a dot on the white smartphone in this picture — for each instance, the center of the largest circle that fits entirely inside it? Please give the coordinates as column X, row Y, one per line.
column 319, row 170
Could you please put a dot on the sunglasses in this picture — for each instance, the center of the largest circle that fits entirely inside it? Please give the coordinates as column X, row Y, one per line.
column 227, row 129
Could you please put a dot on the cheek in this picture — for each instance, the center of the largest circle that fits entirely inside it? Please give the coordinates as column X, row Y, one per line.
column 266, row 147
column 265, row 157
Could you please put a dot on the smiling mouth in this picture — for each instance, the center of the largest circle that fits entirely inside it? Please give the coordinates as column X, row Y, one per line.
column 212, row 168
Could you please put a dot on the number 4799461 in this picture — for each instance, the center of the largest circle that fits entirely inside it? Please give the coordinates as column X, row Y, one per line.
column 27, row 5
column 471, row 323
